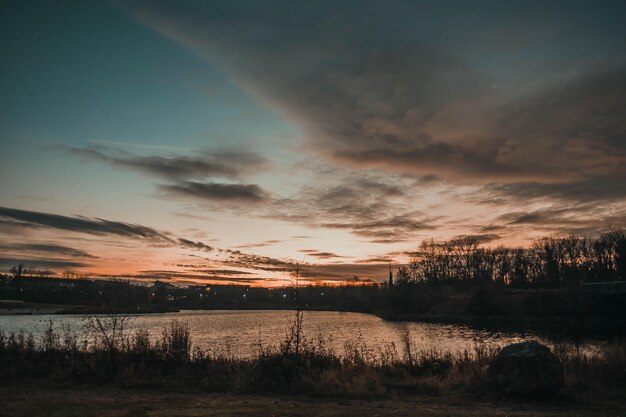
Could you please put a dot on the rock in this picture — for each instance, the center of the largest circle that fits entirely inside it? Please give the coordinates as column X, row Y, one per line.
column 526, row 368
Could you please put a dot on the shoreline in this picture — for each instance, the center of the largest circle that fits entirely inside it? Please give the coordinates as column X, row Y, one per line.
column 554, row 326
column 594, row 326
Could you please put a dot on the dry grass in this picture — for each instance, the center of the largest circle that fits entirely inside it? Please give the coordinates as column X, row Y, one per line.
column 106, row 354
column 53, row 401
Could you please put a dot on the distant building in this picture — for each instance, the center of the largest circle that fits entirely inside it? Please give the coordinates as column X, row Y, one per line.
column 160, row 285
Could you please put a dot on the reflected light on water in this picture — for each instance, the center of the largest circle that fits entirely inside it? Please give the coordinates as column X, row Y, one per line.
column 239, row 332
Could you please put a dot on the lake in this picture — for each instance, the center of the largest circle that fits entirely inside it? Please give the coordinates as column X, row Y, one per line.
column 239, row 332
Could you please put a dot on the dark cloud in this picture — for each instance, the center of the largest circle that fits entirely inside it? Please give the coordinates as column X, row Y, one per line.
column 84, row 225
column 257, row 262
column 383, row 241
column 228, row 272
column 228, row 164
column 602, row 188
column 346, row 271
column 580, row 220
column 482, row 238
column 390, row 230
column 260, row 244
column 376, row 226
column 53, row 249
column 490, row 228
column 181, row 169
column 10, row 227
column 320, row 254
column 195, row 245
column 585, row 114
column 210, row 191
column 186, row 278
column 41, row 263
column 372, row 93
column 566, row 133
column 368, row 205
column 379, row 188
column 376, row 260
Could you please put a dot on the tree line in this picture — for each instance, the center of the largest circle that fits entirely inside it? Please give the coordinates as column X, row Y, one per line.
column 550, row 262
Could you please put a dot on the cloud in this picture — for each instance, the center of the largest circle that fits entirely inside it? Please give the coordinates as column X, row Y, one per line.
column 320, row 254
column 226, row 164
column 257, row 262
column 190, row 278
column 46, row 248
column 10, row 227
column 598, row 189
column 340, row 272
column 210, row 191
column 381, row 228
column 195, row 245
column 182, row 169
column 372, row 94
column 228, row 272
column 41, row 263
column 260, row 244
column 376, row 260
column 482, row 238
column 369, row 205
column 579, row 220
column 568, row 132
column 84, row 225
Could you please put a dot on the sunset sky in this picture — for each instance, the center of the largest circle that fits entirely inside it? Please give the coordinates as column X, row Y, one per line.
column 218, row 141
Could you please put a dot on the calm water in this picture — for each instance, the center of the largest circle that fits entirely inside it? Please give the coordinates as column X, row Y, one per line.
column 239, row 332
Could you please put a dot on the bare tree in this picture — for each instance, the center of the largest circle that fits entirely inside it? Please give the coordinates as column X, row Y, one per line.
column 108, row 331
column 294, row 340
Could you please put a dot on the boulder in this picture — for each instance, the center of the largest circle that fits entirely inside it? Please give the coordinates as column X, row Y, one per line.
column 526, row 368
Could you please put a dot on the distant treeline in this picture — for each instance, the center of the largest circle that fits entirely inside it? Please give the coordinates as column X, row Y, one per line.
column 550, row 262
column 451, row 281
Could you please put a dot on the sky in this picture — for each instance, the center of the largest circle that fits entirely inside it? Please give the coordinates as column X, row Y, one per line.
column 222, row 141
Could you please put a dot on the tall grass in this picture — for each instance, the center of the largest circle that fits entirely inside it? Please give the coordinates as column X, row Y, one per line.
column 107, row 352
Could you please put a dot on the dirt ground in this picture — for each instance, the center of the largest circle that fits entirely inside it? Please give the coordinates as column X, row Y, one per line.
column 87, row 402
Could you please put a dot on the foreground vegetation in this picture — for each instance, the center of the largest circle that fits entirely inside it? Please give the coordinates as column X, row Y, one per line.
column 47, row 400
column 106, row 354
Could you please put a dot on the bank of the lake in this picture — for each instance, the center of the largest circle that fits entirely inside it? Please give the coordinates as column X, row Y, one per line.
column 567, row 312
column 241, row 331
column 51, row 400
column 114, row 356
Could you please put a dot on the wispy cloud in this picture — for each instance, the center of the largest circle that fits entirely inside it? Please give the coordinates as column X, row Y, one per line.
column 226, row 164
column 260, row 244
column 320, row 254
column 210, row 191
column 371, row 206
column 41, row 263
column 182, row 170
column 84, row 225
column 47, row 248
column 195, row 245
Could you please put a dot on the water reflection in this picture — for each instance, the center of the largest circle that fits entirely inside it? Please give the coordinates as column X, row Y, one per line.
column 240, row 332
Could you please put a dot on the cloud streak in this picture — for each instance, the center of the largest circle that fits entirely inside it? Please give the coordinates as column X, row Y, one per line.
column 226, row 164
column 47, row 248
column 210, row 191
column 41, row 263
column 84, row 225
